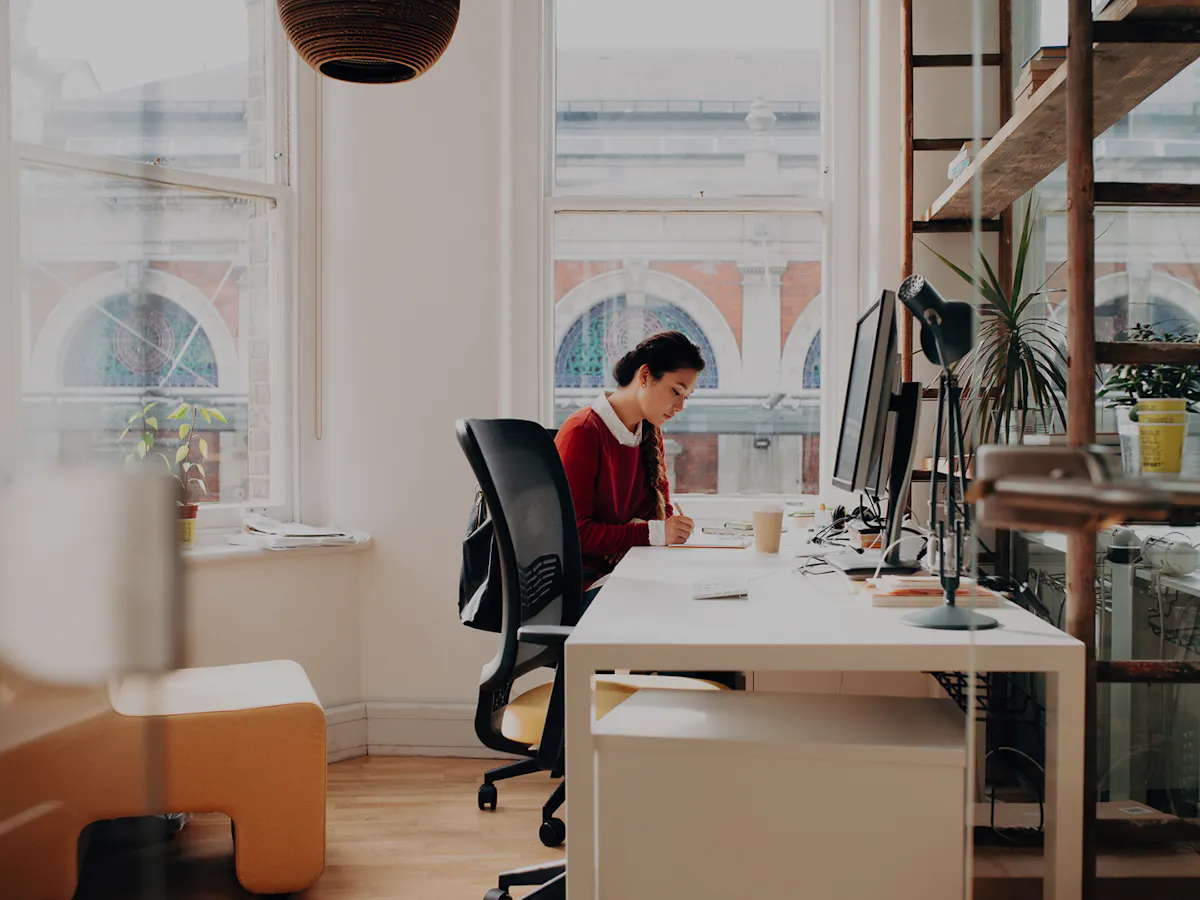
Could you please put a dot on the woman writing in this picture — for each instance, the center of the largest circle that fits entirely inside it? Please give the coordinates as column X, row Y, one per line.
column 612, row 452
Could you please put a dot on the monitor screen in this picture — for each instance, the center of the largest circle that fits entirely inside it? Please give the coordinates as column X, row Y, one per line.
column 868, row 396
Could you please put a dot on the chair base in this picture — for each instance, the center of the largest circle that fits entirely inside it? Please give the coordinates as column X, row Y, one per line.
column 553, row 831
column 552, row 878
column 488, row 795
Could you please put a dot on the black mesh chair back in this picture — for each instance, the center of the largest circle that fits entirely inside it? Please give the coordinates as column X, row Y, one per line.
column 521, row 476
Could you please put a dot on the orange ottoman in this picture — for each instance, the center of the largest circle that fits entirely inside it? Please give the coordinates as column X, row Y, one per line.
column 245, row 740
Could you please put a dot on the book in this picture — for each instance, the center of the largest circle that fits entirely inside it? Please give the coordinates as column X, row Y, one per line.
column 1050, row 52
column 960, row 162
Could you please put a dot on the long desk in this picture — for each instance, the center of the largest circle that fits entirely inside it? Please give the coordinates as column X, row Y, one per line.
column 645, row 619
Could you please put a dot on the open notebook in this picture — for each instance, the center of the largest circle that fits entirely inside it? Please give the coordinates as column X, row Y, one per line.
column 699, row 540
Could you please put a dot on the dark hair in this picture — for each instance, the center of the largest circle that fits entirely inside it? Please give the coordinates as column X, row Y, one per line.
column 667, row 351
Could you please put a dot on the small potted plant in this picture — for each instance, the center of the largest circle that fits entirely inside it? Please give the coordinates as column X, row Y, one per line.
column 1162, row 401
column 187, row 469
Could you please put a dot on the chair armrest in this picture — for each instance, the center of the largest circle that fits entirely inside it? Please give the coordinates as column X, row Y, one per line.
column 546, row 635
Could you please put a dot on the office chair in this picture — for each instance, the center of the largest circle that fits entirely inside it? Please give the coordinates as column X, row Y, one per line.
column 522, row 479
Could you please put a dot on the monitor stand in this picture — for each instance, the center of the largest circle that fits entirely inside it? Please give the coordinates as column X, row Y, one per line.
column 861, row 566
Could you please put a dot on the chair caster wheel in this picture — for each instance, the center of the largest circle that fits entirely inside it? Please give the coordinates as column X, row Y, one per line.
column 487, row 796
column 553, row 832
column 497, row 894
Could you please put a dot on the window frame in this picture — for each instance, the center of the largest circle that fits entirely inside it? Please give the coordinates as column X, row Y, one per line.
column 838, row 207
column 284, row 145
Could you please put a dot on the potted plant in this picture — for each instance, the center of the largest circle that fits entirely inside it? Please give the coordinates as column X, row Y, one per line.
column 186, row 468
column 1162, row 401
column 1017, row 369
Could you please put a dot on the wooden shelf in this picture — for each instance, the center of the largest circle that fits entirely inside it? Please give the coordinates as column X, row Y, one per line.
column 1033, row 143
column 1148, row 9
column 952, row 60
column 1147, row 353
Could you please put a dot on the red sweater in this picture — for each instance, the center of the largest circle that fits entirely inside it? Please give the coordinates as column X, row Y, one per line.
column 608, row 489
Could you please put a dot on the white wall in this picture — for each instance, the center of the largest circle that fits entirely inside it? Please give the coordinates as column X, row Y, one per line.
column 411, row 205
column 283, row 606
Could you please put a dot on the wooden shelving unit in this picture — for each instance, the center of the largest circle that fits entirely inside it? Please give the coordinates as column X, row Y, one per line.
column 913, row 145
column 1033, row 143
column 1113, row 63
column 1116, row 58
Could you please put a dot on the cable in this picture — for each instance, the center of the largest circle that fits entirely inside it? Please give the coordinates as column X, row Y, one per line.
column 883, row 555
column 1041, row 794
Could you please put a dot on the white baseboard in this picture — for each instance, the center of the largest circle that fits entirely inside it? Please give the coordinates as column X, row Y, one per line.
column 404, row 729
column 345, row 732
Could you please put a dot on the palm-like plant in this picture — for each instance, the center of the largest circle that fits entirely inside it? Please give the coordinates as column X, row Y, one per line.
column 1017, row 368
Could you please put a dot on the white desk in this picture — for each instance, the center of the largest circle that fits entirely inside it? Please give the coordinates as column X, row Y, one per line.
column 644, row 618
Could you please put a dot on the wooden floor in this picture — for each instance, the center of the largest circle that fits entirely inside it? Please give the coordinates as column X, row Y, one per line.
column 409, row 829
column 399, row 829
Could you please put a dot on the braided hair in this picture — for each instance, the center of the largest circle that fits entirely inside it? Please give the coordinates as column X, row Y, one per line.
column 667, row 351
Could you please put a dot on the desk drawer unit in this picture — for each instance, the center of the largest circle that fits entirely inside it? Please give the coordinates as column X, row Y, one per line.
column 714, row 795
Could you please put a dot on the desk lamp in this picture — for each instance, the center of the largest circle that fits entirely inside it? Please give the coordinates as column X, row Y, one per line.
column 947, row 335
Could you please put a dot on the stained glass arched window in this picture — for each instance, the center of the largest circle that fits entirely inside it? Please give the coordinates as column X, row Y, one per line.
column 812, row 364
column 149, row 342
column 613, row 327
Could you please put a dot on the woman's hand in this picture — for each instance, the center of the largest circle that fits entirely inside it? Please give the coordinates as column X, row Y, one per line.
column 679, row 529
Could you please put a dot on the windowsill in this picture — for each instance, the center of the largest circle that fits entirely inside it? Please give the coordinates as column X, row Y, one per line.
column 215, row 546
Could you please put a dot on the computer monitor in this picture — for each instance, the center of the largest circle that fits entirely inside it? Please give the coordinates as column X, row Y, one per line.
column 877, row 442
column 872, row 371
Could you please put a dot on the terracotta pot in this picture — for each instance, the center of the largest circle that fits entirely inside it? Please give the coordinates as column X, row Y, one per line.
column 187, row 523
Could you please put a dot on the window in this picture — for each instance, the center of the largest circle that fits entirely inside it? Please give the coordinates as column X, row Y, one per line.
column 151, row 152
column 1147, row 259
column 688, row 193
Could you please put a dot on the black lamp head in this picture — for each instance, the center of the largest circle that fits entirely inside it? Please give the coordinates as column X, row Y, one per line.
column 953, row 319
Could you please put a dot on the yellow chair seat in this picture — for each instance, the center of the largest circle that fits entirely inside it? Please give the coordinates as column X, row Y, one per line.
column 523, row 719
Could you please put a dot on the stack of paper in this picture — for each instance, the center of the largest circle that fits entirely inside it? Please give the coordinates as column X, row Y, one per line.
column 260, row 531
column 700, row 540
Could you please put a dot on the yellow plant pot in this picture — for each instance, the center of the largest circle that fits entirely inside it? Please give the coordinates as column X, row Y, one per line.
column 1162, row 430
column 187, row 524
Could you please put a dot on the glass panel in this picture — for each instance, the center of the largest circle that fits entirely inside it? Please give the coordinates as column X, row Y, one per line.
column 173, row 82
column 1160, row 140
column 655, row 99
column 133, row 294
column 1147, row 269
column 747, row 290
column 1147, row 273
column 1148, row 734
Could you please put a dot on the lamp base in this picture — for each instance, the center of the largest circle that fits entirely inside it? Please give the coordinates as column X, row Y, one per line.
column 950, row 618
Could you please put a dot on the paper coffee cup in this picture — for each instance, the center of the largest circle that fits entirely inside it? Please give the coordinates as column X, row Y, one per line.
column 768, row 526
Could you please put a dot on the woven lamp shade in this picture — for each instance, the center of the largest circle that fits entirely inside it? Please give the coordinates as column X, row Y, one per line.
column 369, row 41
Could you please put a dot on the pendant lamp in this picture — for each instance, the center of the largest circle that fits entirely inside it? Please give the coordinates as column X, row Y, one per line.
column 369, row 41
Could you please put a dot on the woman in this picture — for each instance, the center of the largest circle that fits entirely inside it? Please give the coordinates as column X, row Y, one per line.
column 613, row 454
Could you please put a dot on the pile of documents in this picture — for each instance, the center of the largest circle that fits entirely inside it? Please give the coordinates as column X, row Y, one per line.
column 264, row 532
